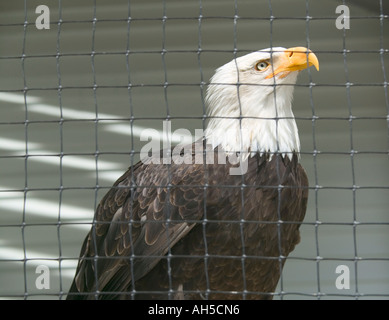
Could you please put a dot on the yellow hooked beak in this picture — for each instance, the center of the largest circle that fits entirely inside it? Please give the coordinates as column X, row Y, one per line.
column 294, row 59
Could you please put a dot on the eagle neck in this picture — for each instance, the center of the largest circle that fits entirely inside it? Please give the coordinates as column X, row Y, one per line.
column 263, row 126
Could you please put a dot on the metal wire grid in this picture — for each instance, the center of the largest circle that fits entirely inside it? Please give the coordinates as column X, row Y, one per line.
column 316, row 187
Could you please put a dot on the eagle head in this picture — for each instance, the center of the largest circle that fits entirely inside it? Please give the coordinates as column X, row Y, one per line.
column 249, row 101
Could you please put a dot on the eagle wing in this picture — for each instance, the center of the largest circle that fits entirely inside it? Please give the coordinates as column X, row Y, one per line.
column 154, row 206
column 148, row 209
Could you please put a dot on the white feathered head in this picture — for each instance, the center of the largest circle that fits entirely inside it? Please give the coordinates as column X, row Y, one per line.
column 249, row 101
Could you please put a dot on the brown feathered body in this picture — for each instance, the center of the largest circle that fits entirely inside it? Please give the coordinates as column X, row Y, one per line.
column 194, row 231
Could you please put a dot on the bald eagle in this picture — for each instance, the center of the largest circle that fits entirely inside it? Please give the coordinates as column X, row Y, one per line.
column 195, row 229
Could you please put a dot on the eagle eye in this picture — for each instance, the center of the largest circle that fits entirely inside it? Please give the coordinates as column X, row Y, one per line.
column 262, row 65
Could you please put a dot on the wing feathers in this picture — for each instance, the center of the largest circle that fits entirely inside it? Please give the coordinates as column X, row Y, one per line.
column 152, row 207
column 132, row 220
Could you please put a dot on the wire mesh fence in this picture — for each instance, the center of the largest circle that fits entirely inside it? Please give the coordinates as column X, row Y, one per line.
column 77, row 93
